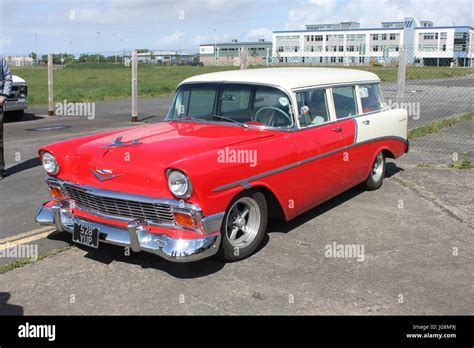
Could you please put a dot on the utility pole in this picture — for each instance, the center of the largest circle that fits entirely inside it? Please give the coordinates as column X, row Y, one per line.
column 115, row 46
column 98, row 46
column 50, row 86
column 134, row 86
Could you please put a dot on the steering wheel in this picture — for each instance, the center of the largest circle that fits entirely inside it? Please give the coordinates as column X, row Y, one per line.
column 272, row 119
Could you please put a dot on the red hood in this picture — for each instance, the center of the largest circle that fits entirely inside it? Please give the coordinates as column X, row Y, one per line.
column 150, row 150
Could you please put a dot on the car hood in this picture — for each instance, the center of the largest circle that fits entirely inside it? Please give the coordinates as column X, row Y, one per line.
column 138, row 157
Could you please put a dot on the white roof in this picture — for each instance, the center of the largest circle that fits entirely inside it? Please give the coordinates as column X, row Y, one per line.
column 288, row 78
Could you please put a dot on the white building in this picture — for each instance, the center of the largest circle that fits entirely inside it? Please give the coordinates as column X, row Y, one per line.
column 347, row 43
column 19, row 61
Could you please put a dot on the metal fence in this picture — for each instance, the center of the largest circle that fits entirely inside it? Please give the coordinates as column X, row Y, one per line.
column 139, row 85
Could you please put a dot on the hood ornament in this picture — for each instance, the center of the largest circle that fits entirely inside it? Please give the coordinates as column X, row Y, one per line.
column 104, row 174
column 119, row 143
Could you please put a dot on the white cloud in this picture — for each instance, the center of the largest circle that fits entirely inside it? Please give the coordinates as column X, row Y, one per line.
column 172, row 40
column 370, row 13
column 259, row 33
column 210, row 39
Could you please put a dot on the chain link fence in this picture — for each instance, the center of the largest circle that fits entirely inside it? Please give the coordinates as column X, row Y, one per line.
column 432, row 86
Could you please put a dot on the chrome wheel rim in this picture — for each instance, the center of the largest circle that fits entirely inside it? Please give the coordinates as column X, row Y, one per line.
column 377, row 168
column 243, row 222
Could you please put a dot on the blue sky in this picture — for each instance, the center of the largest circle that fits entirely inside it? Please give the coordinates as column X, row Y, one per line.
column 72, row 26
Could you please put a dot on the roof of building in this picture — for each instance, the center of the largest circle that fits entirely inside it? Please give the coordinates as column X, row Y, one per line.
column 288, row 78
column 368, row 29
column 238, row 43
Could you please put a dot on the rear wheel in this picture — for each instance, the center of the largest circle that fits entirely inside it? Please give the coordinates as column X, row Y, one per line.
column 244, row 226
column 377, row 173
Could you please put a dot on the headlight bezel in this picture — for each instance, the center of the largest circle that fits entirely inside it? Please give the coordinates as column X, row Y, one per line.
column 48, row 156
column 183, row 194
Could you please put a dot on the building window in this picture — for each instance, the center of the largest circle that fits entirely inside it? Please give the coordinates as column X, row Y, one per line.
column 444, row 35
column 333, row 59
column 340, row 59
column 384, row 36
column 375, row 36
column 375, row 48
column 393, row 36
column 341, row 48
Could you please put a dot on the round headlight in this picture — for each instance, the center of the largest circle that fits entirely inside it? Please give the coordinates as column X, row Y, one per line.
column 179, row 184
column 50, row 164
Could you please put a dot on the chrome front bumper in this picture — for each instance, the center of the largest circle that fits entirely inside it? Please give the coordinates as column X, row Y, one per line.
column 135, row 236
column 14, row 105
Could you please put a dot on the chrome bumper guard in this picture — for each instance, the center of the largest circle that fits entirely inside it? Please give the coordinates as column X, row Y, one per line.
column 136, row 236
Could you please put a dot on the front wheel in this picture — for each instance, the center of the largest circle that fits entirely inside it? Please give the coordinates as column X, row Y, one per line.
column 244, row 226
column 377, row 173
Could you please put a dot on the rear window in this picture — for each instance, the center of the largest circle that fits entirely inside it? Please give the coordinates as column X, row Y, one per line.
column 370, row 97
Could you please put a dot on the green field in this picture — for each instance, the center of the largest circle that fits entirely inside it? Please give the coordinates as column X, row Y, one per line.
column 107, row 81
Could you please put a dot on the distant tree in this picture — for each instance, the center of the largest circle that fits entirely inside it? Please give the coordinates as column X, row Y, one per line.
column 33, row 55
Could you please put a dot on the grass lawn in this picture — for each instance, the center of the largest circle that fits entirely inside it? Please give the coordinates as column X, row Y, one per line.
column 436, row 126
column 107, row 81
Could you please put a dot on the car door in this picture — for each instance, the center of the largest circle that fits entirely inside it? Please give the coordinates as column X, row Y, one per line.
column 357, row 132
column 318, row 145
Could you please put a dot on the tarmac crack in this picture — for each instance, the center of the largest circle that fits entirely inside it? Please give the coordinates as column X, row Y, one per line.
column 432, row 198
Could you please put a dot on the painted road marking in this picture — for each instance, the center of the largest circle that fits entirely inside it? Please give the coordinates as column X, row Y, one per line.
column 26, row 237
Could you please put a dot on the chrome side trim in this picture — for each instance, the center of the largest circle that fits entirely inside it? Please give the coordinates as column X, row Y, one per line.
column 246, row 182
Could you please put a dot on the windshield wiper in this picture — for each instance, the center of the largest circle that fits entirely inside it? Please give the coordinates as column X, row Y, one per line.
column 230, row 119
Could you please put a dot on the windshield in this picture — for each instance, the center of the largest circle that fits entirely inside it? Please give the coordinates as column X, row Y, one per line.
column 240, row 103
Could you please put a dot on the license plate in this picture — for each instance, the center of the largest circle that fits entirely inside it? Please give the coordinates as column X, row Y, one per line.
column 86, row 235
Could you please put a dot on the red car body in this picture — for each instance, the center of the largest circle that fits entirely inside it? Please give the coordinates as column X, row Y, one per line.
column 297, row 170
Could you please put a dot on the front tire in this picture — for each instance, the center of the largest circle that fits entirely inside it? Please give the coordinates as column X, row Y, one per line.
column 377, row 173
column 244, row 226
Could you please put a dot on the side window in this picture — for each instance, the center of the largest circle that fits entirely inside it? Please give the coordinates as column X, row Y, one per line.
column 370, row 97
column 345, row 102
column 312, row 107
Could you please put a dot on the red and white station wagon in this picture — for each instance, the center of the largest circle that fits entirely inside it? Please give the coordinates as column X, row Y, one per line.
column 235, row 149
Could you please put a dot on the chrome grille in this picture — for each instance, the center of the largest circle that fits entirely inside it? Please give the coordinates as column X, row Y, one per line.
column 158, row 213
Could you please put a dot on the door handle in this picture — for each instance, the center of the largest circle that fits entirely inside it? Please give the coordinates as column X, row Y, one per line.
column 366, row 122
column 337, row 129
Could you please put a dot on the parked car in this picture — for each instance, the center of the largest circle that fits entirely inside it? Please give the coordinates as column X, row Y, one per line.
column 17, row 101
column 235, row 149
